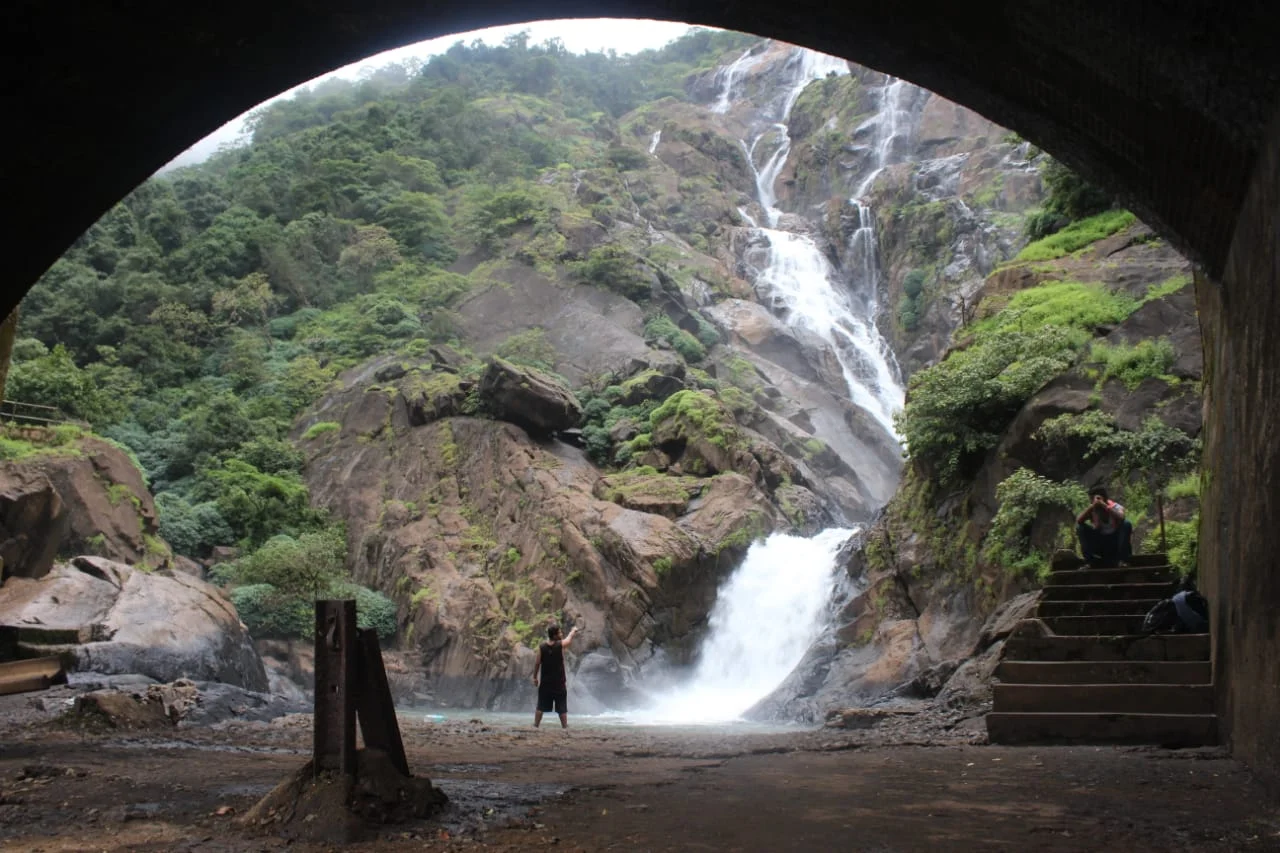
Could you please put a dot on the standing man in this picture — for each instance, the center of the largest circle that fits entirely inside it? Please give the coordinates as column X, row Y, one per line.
column 1104, row 533
column 553, row 690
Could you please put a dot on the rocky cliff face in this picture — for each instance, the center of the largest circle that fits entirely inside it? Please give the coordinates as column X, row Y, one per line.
column 484, row 533
column 70, row 495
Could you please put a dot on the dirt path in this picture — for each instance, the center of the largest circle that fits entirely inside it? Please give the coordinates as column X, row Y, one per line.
column 643, row 790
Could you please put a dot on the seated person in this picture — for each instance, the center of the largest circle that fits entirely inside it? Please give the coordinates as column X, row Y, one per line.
column 1104, row 533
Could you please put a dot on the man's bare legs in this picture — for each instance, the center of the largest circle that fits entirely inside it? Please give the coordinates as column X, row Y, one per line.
column 564, row 721
column 537, row 718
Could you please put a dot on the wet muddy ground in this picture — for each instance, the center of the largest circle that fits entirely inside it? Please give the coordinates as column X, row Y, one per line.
column 895, row 788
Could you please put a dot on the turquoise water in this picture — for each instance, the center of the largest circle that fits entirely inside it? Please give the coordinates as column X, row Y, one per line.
column 512, row 720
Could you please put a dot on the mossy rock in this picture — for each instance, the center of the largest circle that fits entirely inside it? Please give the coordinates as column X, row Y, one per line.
column 646, row 490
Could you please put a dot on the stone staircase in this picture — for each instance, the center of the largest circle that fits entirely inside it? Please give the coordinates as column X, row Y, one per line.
column 1092, row 677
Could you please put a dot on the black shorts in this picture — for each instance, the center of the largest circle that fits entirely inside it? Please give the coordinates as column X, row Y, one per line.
column 554, row 698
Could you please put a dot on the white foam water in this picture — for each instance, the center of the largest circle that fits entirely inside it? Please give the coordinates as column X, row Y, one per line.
column 766, row 616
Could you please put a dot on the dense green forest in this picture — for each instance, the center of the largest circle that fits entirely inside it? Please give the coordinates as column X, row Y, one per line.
column 197, row 318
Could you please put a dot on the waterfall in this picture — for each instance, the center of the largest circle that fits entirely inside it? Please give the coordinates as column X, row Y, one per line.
column 800, row 277
column 770, row 610
column 765, row 618
column 802, row 281
column 887, row 122
column 730, row 76
column 653, row 142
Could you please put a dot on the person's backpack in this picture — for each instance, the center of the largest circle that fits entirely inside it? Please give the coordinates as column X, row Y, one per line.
column 1186, row 613
column 1162, row 619
column 1193, row 611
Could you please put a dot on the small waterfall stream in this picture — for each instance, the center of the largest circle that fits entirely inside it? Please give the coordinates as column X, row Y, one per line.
column 765, row 617
column 771, row 610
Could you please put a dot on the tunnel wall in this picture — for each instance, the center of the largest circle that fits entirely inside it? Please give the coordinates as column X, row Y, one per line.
column 1240, row 524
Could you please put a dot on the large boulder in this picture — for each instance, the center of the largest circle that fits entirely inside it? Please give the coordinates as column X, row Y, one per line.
column 107, row 617
column 83, row 497
column 33, row 523
column 528, row 398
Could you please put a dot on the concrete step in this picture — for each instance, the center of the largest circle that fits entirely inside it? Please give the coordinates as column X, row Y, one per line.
column 1108, row 591
column 1133, row 574
column 1137, row 560
column 1104, row 672
column 1121, row 607
column 1094, row 625
column 1104, row 698
column 1149, row 560
column 1155, row 647
column 1173, row 730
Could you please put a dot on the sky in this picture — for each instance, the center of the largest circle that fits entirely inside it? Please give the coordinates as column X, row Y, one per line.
column 578, row 36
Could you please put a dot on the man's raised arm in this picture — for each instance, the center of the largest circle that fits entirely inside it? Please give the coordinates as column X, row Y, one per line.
column 569, row 639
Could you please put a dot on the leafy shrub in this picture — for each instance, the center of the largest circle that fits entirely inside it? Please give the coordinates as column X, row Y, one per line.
column 1070, row 194
column 1187, row 486
column 1076, row 236
column 958, row 409
column 707, row 335
column 1183, row 542
column 191, row 529
column 271, row 455
column 908, row 313
column 309, row 565
column 1069, row 197
column 1041, row 223
column 626, row 159
column 256, row 505
column 267, row 612
column 318, row 429
column 1069, row 305
column 1023, row 495
column 1131, row 364
column 913, row 284
column 614, row 268
column 373, row 609
column 661, row 328
column 529, row 348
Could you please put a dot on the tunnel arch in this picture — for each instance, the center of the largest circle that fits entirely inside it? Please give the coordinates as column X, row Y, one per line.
column 1166, row 104
column 1171, row 105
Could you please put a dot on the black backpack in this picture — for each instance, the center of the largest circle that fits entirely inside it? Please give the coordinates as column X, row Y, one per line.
column 1162, row 619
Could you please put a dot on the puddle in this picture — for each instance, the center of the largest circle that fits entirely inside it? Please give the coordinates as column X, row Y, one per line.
column 203, row 747
column 476, row 804
column 457, row 769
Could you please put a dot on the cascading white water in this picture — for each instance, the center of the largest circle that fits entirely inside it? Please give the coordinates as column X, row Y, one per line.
column 771, row 609
column 887, row 121
column 653, row 142
column 803, row 281
column 765, row 618
column 730, row 75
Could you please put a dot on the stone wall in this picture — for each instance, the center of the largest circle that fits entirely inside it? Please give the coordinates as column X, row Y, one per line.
column 1239, row 561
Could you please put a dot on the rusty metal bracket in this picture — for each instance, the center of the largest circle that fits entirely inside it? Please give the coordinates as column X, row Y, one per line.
column 334, row 746
column 351, row 685
column 374, row 706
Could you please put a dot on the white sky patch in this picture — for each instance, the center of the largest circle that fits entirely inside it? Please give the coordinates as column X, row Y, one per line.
column 578, row 36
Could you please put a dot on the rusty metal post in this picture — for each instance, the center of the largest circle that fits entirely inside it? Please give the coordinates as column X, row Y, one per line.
column 336, row 687
column 374, row 705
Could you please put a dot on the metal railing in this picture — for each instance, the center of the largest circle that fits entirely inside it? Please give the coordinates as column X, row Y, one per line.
column 30, row 413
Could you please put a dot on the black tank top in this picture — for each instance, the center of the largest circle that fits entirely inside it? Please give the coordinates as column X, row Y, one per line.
column 553, row 666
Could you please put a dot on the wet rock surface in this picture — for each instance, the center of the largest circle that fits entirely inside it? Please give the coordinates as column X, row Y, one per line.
column 529, row 398
column 84, row 497
column 112, row 619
